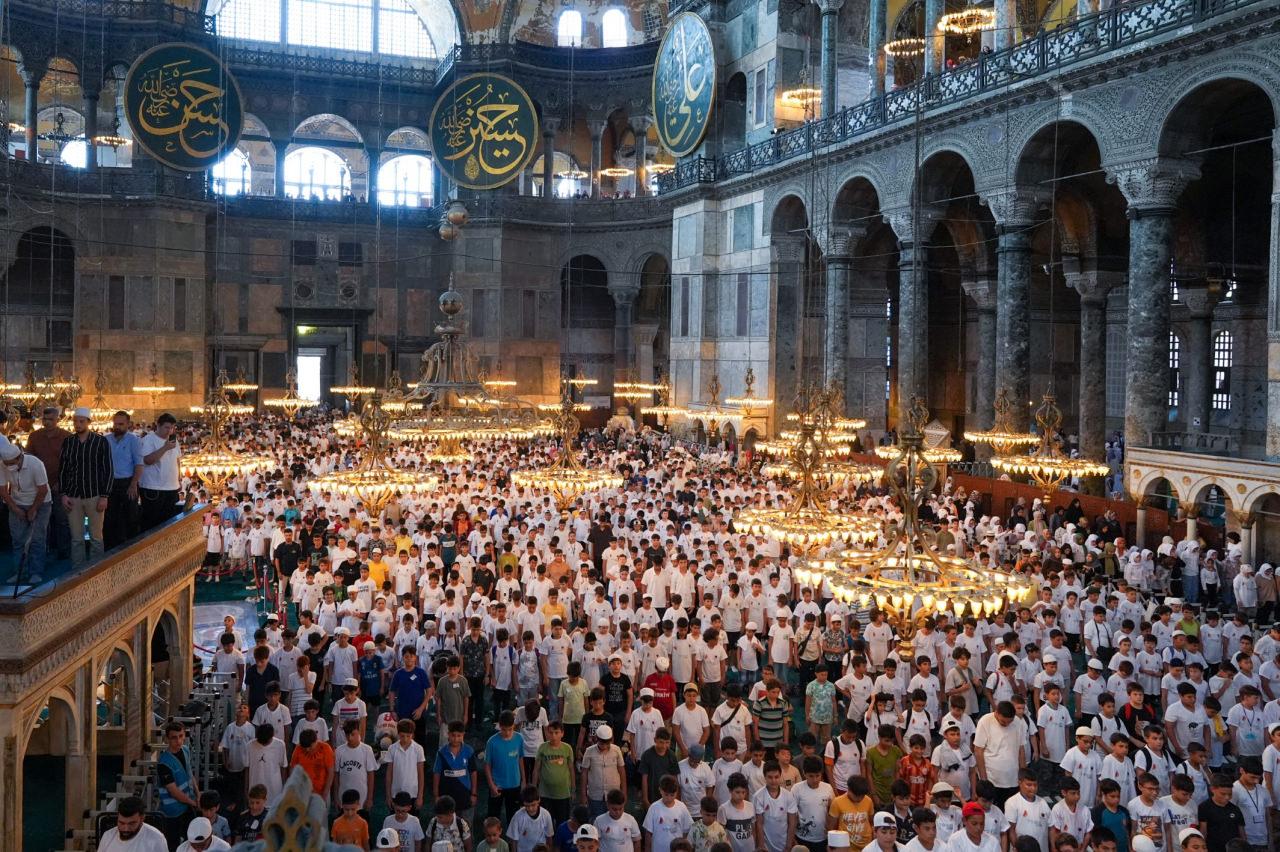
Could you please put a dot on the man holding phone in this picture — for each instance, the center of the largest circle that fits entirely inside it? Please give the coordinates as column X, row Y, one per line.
column 158, row 485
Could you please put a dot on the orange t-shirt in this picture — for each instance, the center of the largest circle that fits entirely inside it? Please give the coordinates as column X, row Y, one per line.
column 317, row 762
column 350, row 832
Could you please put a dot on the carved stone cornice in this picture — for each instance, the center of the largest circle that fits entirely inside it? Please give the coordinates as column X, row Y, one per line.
column 1200, row 297
column 48, row 633
column 1152, row 185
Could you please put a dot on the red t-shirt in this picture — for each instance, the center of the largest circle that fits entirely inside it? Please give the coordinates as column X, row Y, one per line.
column 920, row 777
column 664, row 692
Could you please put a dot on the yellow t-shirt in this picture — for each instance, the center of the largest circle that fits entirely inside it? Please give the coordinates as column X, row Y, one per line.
column 378, row 572
column 549, row 612
column 853, row 818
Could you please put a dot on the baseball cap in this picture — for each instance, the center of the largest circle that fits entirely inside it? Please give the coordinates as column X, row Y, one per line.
column 342, row 631
column 646, row 693
column 1084, row 731
column 586, row 831
column 783, row 612
column 388, row 838
column 1142, row 843
column 602, row 622
column 1049, row 658
column 751, row 625
column 697, row 750
column 942, row 787
column 368, row 646
column 883, row 819
column 199, row 830
column 1188, row 833
column 691, row 687
column 972, row 809
column 351, row 683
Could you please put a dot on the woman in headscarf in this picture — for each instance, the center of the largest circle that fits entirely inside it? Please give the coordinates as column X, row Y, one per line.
column 1210, row 579
column 1074, row 511
column 1266, row 582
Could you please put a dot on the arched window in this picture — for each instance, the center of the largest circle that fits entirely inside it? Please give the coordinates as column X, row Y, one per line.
column 75, row 154
column 232, row 174
column 1175, row 374
column 316, row 173
column 613, row 28
column 569, row 29
column 405, row 181
column 421, row 30
column 1223, row 356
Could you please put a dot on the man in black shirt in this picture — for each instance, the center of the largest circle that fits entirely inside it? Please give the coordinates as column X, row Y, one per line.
column 257, row 676
column 658, row 760
column 482, row 577
column 617, row 693
column 287, row 556
column 1220, row 819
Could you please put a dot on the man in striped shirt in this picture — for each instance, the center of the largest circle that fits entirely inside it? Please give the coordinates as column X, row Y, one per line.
column 84, row 478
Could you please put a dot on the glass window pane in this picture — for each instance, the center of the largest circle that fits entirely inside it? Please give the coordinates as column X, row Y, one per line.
column 614, row 29
column 255, row 20
column 405, row 181
column 569, row 29
column 316, row 173
column 401, row 32
column 232, row 174
column 341, row 24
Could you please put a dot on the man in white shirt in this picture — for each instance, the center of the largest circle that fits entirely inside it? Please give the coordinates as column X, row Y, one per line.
column 26, row 493
column 999, row 746
column 159, row 483
column 130, row 833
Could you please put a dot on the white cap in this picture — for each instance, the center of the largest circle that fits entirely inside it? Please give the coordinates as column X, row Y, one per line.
column 82, row 412
column 1095, row 663
column 199, row 830
column 8, row 452
column 1084, row 731
column 1047, row 658
column 646, row 693
column 388, row 838
column 351, row 682
column 1187, row 833
column 751, row 625
column 884, row 819
column 837, row 840
column 602, row 622
column 783, row 612
column 942, row 787
column 663, row 664
column 342, row 631
column 586, row 831
column 1142, row 843
column 604, row 732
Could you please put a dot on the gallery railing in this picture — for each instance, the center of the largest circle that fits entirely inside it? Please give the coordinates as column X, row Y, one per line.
column 638, row 56
column 307, row 63
column 94, row 12
column 1123, row 25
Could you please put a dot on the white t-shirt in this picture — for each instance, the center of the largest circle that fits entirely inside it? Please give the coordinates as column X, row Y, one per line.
column 960, row 842
column 812, row 804
column 163, row 475
column 1054, row 721
column 1254, row 804
column 1084, row 767
column 265, row 763
column 643, row 726
column 775, row 811
column 1030, row 818
column 1001, row 746
column 694, row 783
column 404, row 766
column 617, row 835
column 1077, row 823
column 691, row 722
column 235, row 744
column 666, row 824
column 353, row 767
column 1147, row 819
column 148, row 839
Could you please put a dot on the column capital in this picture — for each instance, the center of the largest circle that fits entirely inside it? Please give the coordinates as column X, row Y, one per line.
column 32, row 73
column 1015, row 207
column 596, row 126
column 788, row 248
column 641, row 124
column 909, row 227
column 829, row 7
column 625, row 295
column 841, row 240
column 550, row 125
column 982, row 289
column 1153, row 185
column 1200, row 297
column 1093, row 285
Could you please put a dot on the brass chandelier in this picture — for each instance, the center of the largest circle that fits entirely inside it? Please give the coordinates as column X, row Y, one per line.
column 290, row 404
column 566, row 479
column 665, row 409
column 909, row 578
column 376, row 480
column 1003, row 436
column 215, row 464
column 1047, row 466
column 748, row 403
column 808, row 523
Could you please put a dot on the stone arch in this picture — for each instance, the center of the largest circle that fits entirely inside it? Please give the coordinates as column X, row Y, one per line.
column 651, row 315
column 1158, row 491
column 164, row 642
column 1264, row 512
column 733, row 115
column 1194, row 88
column 54, row 729
column 857, row 202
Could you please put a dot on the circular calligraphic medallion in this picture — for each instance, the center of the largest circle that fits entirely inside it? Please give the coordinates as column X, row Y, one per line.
column 483, row 130
column 684, row 84
column 183, row 106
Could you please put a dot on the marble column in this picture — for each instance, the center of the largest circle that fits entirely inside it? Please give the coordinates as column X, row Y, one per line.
column 90, row 130
column 836, row 349
column 624, row 300
column 1092, row 414
column 549, row 128
column 1140, row 526
column 1152, row 188
column 596, row 128
column 1013, row 319
column 31, row 106
column 830, row 26
column 875, row 46
column 1006, row 22
column 982, row 289
column 1197, row 354
column 640, row 126
column 282, row 147
column 1273, row 308
column 788, row 262
column 372, row 156
column 913, row 310
column 935, row 42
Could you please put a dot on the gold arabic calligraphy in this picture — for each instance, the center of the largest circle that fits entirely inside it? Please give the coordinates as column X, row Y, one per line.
column 183, row 110
column 485, row 129
column 682, row 92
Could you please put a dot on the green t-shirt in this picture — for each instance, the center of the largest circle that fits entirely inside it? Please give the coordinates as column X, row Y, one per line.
column 574, row 696
column 883, row 769
column 555, row 771
column 485, row 846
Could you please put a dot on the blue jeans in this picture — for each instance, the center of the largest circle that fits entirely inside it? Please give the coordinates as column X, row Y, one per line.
column 31, row 536
column 1191, row 587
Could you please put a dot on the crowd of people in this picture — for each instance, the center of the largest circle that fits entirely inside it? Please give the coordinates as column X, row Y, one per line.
column 481, row 666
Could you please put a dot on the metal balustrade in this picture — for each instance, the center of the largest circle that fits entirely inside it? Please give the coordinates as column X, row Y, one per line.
column 119, row 11
column 1121, row 26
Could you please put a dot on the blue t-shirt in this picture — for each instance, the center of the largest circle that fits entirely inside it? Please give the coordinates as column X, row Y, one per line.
column 564, row 838
column 370, row 669
column 455, row 773
column 503, row 757
column 410, row 687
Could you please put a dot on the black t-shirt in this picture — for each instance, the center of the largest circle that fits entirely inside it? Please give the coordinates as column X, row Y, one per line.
column 653, row 766
column 1224, row 822
column 615, row 693
column 482, row 578
column 317, row 666
column 349, row 571
column 590, row 721
column 289, row 553
column 256, row 684
column 1136, row 721
column 249, row 826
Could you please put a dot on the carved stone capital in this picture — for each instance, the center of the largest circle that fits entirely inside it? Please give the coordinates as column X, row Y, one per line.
column 912, row 226
column 788, row 249
column 641, row 124
column 32, row 72
column 1016, row 207
column 829, row 7
column 842, row 240
column 1152, row 185
column 1093, row 285
column 1200, row 297
column 596, row 126
column 982, row 289
column 624, row 295
column 550, row 125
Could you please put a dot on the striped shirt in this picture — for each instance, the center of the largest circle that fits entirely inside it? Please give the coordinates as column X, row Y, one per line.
column 85, row 466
